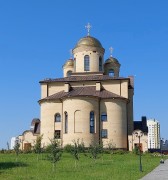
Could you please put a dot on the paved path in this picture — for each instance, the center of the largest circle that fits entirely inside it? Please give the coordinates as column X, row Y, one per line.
column 159, row 173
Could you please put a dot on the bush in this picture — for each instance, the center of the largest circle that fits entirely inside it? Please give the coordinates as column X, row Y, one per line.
column 120, row 151
column 4, row 151
column 68, row 148
column 136, row 150
column 28, row 151
column 95, row 149
column 107, row 151
column 47, row 149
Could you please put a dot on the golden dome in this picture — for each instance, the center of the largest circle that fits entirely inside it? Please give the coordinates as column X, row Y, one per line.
column 69, row 62
column 88, row 41
column 112, row 60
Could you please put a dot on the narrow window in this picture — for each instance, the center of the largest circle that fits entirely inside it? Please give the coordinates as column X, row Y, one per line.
column 100, row 64
column 104, row 133
column 57, row 134
column 111, row 73
column 86, row 63
column 104, row 117
column 69, row 73
column 66, row 122
column 92, row 123
column 57, row 117
column 36, row 127
column 75, row 64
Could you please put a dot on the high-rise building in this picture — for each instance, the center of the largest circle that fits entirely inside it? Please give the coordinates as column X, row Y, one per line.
column 13, row 142
column 153, row 134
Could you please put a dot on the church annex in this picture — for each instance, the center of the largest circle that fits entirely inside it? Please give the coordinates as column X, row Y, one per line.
column 91, row 102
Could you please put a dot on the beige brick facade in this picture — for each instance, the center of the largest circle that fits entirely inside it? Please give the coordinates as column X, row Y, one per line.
column 91, row 105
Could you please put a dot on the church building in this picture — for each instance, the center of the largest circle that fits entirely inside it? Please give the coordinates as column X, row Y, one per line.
column 91, row 102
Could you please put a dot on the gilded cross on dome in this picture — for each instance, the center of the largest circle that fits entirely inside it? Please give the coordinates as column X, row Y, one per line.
column 111, row 51
column 88, row 27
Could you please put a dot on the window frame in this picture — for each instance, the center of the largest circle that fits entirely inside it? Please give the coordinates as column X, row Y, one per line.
column 104, row 114
column 92, row 122
column 86, row 63
column 66, row 122
column 104, row 133
column 57, row 134
column 111, row 72
column 100, row 64
column 75, row 64
column 69, row 73
column 56, row 116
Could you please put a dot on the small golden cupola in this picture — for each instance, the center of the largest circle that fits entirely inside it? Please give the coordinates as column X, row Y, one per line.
column 68, row 67
column 112, row 66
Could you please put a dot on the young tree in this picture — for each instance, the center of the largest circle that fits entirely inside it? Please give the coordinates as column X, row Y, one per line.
column 37, row 146
column 55, row 152
column 76, row 149
column 111, row 147
column 95, row 149
column 16, row 148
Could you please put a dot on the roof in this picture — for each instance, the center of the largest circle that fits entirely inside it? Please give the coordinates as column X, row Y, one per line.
column 83, row 78
column 34, row 121
column 89, row 41
column 69, row 62
column 83, row 91
column 112, row 60
column 141, row 126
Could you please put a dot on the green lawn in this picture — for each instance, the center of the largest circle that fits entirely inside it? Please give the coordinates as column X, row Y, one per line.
column 115, row 167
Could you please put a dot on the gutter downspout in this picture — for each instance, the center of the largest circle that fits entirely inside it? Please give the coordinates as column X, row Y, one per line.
column 99, row 122
column 62, row 123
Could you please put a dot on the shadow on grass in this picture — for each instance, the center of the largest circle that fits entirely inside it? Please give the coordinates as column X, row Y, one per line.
column 9, row 165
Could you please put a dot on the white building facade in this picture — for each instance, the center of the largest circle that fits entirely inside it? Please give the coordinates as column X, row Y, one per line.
column 153, row 134
column 13, row 142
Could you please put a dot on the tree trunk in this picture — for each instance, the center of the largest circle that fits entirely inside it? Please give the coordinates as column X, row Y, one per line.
column 53, row 167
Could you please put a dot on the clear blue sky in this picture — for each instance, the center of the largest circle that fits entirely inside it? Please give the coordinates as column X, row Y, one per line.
column 36, row 36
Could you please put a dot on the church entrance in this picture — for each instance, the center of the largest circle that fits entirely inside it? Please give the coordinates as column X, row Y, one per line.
column 137, row 145
column 27, row 146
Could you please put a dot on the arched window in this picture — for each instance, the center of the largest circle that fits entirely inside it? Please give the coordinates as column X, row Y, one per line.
column 92, row 122
column 86, row 63
column 36, row 126
column 111, row 73
column 100, row 64
column 57, row 117
column 69, row 73
column 104, row 117
column 66, row 122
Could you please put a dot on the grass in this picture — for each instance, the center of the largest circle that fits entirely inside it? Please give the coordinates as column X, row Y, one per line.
column 115, row 167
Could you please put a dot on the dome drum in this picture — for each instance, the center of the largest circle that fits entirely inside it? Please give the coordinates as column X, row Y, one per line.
column 112, row 64
column 86, row 48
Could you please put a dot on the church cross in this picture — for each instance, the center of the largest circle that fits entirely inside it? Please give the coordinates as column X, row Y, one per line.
column 111, row 51
column 88, row 27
